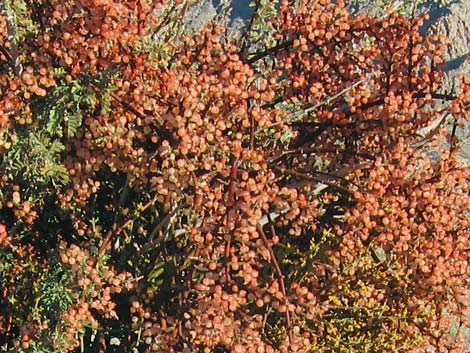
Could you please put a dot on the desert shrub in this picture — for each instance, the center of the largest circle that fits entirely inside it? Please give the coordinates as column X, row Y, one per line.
column 268, row 191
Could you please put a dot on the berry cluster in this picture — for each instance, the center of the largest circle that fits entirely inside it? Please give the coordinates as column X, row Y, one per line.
column 220, row 196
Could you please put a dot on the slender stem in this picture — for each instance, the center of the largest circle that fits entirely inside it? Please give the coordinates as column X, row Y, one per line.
column 7, row 54
column 440, row 96
column 280, row 275
column 306, row 150
column 252, row 133
column 164, row 132
column 246, row 32
column 269, row 51
column 13, row 53
column 231, row 214
column 115, row 231
column 312, row 178
column 305, row 110
column 164, row 222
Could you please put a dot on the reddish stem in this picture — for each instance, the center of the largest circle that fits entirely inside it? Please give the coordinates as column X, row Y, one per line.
column 231, row 214
column 280, row 275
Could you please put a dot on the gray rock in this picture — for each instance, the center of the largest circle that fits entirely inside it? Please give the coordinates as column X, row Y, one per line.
column 453, row 21
column 197, row 17
column 240, row 9
column 206, row 10
column 450, row 18
column 447, row 17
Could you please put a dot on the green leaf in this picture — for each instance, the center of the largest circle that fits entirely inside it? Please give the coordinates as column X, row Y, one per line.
column 53, row 126
column 157, row 271
column 20, row 20
column 73, row 123
column 35, row 160
column 379, row 253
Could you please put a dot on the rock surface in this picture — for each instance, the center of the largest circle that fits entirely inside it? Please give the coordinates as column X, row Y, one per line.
column 453, row 21
column 200, row 15
column 450, row 18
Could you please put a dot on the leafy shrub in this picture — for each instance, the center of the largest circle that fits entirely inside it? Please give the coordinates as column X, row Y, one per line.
column 262, row 192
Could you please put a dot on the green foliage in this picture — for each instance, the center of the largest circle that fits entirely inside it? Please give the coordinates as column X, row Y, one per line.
column 20, row 20
column 34, row 159
column 154, row 278
column 53, row 294
column 6, row 258
column 343, row 328
column 147, row 45
column 261, row 27
column 41, row 293
column 258, row 35
column 66, row 105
